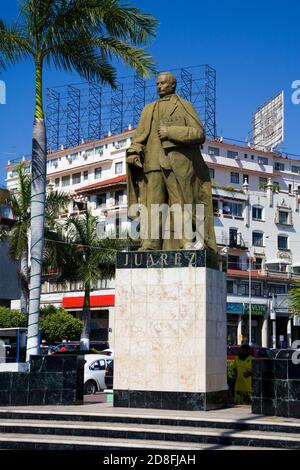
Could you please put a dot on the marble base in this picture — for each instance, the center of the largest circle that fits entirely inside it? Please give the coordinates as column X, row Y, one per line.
column 170, row 330
column 276, row 388
column 170, row 400
column 51, row 380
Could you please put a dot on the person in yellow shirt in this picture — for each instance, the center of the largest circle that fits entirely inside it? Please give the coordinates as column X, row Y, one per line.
column 243, row 372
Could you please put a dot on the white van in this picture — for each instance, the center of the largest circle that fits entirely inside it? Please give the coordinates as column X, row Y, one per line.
column 94, row 372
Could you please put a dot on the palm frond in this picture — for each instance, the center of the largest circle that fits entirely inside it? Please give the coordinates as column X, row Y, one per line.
column 14, row 46
column 136, row 58
column 294, row 299
column 84, row 34
column 120, row 21
column 81, row 57
column 56, row 202
column 18, row 240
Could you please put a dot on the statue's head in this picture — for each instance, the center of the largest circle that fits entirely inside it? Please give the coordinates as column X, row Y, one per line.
column 166, row 84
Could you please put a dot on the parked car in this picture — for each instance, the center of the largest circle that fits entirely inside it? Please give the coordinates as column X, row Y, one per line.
column 94, row 373
column 66, row 347
column 287, row 353
column 256, row 351
column 99, row 345
column 109, row 374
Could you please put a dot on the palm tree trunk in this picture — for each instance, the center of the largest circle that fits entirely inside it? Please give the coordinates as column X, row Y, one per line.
column 38, row 189
column 24, row 280
column 86, row 318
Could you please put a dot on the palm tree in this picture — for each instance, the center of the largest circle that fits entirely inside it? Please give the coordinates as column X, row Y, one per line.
column 73, row 35
column 88, row 258
column 19, row 236
column 294, row 298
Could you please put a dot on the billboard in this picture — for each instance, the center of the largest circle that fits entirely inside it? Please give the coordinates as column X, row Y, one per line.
column 268, row 123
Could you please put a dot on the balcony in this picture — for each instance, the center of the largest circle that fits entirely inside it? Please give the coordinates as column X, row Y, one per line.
column 234, row 241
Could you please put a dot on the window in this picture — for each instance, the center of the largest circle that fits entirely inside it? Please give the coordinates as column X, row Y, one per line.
column 234, row 178
column 73, row 156
column 99, row 150
column 216, row 207
column 279, row 166
column 232, row 154
column 211, row 173
column 214, row 151
column 256, row 288
column 57, row 181
column 233, row 262
column 100, row 200
column 290, row 189
column 263, row 182
column 85, row 175
column 118, row 168
column 295, row 169
column 52, row 162
column 233, row 208
column 89, row 153
column 119, row 197
column 97, row 172
column 76, row 178
column 257, row 213
column 276, row 289
column 120, row 144
column 65, row 181
column 246, row 155
column 262, row 160
column 233, row 237
column 283, row 217
column 257, row 263
column 243, row 288
column 98, row 365
column 257, row 239
column 282, row 242
column 229, row 287
column 252, row 157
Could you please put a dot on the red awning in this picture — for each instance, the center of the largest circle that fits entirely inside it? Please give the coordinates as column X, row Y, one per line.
column 103, row 184
column 96, row 301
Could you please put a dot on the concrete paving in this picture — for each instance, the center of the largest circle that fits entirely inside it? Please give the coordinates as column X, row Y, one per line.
column 97, row 405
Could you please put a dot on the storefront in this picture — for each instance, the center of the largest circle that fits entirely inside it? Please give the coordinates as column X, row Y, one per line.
column 102, row 307
column 258, row 312
column 238, row 322
column 234, row 316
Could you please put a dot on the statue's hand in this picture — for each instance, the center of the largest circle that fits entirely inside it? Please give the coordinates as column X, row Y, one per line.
column 134, row 160
column 163, row 132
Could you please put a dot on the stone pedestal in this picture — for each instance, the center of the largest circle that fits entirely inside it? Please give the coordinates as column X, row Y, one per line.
column 170, row 331
column 276, row 386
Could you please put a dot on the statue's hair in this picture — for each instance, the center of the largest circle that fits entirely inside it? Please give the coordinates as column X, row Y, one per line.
column 172, row 79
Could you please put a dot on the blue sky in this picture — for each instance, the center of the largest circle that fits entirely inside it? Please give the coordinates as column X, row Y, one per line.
column 253, row 45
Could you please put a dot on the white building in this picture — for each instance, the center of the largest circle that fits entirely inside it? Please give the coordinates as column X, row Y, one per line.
column 256, row 201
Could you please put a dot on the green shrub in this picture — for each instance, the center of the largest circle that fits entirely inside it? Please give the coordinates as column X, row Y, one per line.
column 60, row 325
column 231, row 379
column 11, row 318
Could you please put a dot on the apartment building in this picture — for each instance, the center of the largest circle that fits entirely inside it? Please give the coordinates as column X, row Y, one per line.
column 257, row 224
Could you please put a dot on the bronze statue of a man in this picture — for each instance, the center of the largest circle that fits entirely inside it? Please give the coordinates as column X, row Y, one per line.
column 165, row 166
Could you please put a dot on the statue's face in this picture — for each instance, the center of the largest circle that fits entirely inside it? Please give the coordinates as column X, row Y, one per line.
column 164, row 86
